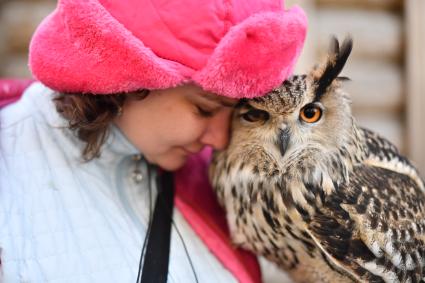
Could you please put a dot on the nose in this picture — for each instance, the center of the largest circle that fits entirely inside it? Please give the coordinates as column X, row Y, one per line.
column 218, row 130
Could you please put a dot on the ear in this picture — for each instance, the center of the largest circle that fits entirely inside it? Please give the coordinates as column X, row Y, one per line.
column 335, row 61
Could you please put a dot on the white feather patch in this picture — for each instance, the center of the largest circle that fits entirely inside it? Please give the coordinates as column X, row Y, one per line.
column 387, row 276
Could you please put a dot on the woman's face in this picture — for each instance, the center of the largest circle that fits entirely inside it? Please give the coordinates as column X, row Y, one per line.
column 169, row 125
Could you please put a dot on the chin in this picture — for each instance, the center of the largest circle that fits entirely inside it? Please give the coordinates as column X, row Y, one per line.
column 172, row 163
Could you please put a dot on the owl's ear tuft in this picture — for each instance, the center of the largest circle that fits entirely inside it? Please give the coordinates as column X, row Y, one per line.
column 335, row 62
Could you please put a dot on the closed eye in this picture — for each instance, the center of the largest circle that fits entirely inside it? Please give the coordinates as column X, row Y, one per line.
column 205, row 112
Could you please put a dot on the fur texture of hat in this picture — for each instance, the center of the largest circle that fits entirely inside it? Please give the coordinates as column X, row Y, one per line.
column 235, row 48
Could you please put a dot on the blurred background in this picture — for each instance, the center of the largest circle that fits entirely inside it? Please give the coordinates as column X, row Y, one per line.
column 387, row 66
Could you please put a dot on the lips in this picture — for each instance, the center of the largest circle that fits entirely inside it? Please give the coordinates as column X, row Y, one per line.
column 191, row 151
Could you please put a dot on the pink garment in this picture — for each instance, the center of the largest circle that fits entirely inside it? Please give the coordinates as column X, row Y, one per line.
column 11, row 89
column 235, row 48
column 195, row 200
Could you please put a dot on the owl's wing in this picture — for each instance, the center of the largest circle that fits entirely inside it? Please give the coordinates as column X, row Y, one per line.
column 374, row 227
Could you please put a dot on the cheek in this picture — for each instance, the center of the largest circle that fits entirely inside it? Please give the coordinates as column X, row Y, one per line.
column 184, row 128
column 189, row 129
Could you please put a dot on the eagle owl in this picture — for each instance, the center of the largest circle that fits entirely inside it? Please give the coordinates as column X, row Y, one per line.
column 307, row 188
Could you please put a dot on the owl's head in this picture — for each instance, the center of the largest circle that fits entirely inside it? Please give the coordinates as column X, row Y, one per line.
column 307, row 116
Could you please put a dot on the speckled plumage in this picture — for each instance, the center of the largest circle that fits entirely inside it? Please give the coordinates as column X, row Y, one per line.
column 326, row 201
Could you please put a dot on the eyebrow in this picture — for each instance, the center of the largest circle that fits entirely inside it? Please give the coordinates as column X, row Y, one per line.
column 216, row 98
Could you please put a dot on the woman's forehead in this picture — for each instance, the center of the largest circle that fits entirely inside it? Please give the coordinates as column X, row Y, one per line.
column 199, row 93
column 225, row 101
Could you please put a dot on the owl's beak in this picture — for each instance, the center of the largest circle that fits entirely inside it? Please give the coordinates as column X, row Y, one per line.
column 283, row 140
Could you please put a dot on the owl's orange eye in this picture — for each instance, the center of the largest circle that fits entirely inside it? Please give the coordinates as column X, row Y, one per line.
column 311, row 113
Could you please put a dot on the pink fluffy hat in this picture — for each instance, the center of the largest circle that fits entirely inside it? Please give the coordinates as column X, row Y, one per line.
column 235, row 48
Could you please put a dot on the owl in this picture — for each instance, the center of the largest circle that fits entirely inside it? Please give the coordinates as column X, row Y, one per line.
column 326, row 200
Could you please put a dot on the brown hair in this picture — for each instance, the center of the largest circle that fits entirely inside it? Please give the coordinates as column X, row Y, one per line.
column 89, row 116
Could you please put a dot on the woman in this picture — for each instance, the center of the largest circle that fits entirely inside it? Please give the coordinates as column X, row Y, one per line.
column 127, row 91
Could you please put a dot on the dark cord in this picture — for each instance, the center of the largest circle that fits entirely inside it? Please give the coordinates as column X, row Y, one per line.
column 185, row 249
column 149, row 230
column 149, row 224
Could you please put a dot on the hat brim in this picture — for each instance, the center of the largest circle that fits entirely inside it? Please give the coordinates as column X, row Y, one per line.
column 81, row 48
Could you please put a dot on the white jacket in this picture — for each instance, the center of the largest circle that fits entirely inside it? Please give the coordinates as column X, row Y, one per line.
column 65, row 220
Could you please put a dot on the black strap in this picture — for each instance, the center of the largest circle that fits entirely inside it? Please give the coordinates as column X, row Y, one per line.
column 155, row 264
